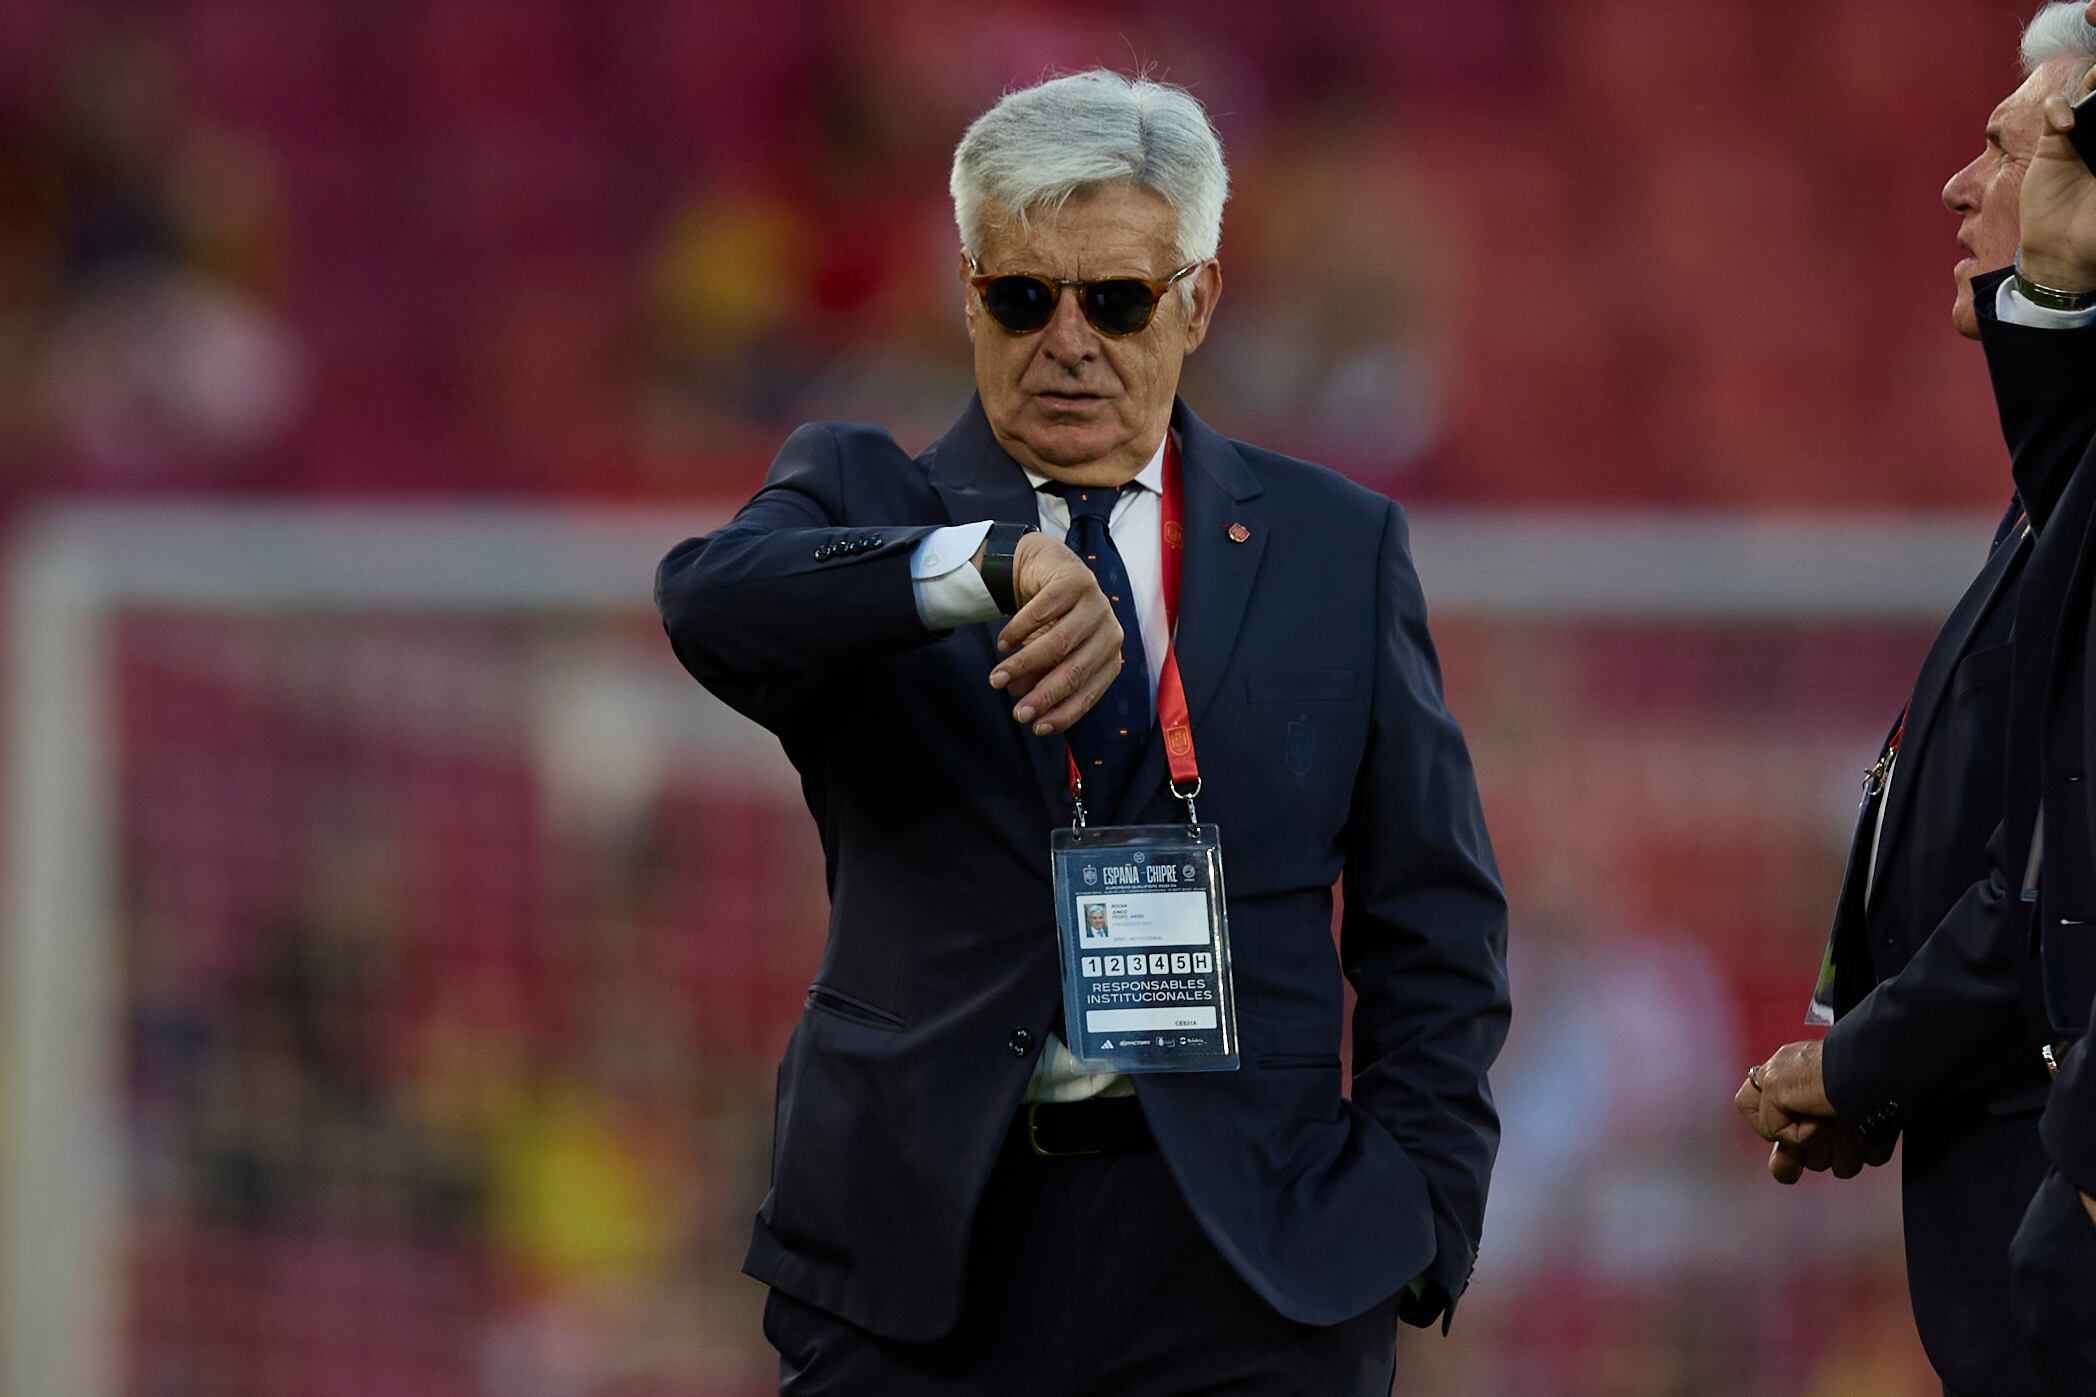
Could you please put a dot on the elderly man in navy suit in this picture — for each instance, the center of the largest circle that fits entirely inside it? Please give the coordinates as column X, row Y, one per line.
column 1081, row 588
column 1930, row 966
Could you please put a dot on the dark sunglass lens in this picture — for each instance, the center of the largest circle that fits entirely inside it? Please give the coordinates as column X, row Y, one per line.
column 1120, row 306
column 1021, row 304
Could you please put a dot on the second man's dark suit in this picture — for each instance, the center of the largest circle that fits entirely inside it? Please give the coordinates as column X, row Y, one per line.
column 1930, row 1039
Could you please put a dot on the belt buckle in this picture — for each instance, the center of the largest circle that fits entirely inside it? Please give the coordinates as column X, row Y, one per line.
column 1033, row 1136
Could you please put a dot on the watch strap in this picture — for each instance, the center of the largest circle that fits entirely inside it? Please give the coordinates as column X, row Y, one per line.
column 2050, row 297
column 1000, row 547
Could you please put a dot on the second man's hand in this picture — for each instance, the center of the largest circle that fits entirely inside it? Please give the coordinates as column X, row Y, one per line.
column 2058, row 203
column 1830, row 1145
column 1786, row 1093
column 1785, row 1101
column 1063, row 647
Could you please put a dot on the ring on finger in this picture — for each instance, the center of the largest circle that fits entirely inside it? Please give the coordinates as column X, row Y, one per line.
column 1754, row 1076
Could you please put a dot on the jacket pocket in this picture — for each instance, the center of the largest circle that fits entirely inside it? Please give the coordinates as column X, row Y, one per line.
column 831, row 1000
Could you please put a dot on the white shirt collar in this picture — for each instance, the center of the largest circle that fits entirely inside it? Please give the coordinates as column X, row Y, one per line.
column 1150, row 477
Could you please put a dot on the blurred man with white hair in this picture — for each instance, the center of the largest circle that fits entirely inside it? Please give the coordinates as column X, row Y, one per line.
column 1927, row 970
column 960, row 1201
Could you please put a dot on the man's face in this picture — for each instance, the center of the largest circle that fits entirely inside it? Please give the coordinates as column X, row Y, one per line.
column 1095, row 918
column 1068, row 401
column 1984, row 193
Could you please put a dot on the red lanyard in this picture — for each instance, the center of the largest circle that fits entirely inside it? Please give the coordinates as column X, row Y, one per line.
column 1172, row 713
column 1875, row 778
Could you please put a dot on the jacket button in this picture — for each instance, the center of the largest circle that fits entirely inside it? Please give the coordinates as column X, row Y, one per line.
column 1020, row 1043
column 822, row 554
column 874, row 541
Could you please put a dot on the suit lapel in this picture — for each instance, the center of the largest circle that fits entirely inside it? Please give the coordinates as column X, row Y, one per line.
column 976, row 479
column 1933, row 685
column 1848, row 943
column 1215, row 582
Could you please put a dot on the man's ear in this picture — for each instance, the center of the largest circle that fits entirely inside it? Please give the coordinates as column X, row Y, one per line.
column 1208, row 291
column 969, row 309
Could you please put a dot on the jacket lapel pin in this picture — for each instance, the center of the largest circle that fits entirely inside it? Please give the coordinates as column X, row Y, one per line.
column 1239, row 533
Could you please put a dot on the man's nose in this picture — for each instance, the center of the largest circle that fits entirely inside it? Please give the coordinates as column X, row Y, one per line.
column 1068, row 339
column 1961, row 190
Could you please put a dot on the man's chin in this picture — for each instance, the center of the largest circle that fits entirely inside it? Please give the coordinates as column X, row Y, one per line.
column 1964, row 315
column 1069, row 444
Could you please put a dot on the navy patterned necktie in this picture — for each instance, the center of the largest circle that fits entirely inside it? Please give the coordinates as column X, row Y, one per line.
column 1106, row 740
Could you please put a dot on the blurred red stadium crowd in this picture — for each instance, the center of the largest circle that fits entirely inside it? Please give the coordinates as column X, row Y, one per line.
column 440, row 1087
column 1504, row 252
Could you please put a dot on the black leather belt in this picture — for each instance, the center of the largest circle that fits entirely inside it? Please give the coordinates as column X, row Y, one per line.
column 1060, row 1129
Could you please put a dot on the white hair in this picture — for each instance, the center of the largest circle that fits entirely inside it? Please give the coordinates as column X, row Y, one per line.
column 2057, row 31
column 1042, row 144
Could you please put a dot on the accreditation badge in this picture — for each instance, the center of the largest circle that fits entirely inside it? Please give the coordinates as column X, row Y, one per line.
column 1139, row 912
column 1145, row 940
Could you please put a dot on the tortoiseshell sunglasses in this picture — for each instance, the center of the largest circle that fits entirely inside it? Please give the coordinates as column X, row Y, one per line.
column 1024, row 302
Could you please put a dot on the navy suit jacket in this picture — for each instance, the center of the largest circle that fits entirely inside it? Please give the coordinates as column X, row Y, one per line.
column 1971, row 1159
column 1948, row 1013
column 1934, row 1036
column 1326, row 753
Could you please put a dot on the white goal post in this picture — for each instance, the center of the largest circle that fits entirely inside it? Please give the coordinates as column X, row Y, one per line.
column 75, row 571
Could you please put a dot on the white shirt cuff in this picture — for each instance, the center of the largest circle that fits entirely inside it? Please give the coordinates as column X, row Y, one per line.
column 950, row 592
column 2012, row 308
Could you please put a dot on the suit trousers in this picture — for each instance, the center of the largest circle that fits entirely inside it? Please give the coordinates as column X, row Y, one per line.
column 1090, row 1275
column 2052, row 1265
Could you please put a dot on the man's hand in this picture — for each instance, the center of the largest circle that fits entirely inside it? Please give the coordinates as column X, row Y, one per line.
column 2058, row 203
column 1063, row 645
column 1785, row 1101
column 1785, row 1096
column 1829, row 1145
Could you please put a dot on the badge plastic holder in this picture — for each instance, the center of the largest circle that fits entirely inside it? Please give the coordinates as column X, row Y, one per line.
column 1144, row 931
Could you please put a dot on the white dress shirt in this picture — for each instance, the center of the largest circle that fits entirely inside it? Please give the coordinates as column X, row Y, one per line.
column 950, row 593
